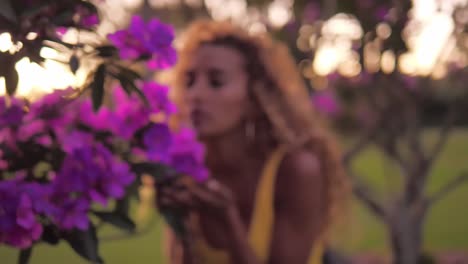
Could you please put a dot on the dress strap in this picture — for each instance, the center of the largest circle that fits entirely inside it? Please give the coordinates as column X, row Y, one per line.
column 261, row 226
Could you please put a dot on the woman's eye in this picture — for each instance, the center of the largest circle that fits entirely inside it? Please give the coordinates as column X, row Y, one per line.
column 216, row 82
column 190, row 80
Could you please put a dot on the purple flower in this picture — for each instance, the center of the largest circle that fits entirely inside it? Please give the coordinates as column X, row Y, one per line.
column 30, row 129
column 157, row 141
column 40, row 195
column 70, row 212
column 19, row 226
column 186, row 155
column 128, row 119
column 88, row 18
column 129, row 116
column 158, row 97
column 89, row 21
column 99, row 120
column 165, row 58
column 8, row 137
column 94, row 173
column 11, row 114
column 61, row 31
column 325, row 102
column 88, row 174
column 53, row 111
column 75, row 140
column 151, row 40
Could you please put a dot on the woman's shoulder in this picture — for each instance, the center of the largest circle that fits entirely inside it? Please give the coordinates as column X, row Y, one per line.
column 299, row 171
column 299, row 163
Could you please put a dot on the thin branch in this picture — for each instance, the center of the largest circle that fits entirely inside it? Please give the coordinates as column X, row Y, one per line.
column 359, row 146
column 364, row 194
column 449, row 187
column 397, row 157
column 413, row 118
column 444, row 133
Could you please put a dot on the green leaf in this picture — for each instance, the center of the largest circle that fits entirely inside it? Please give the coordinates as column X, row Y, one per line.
column 122, row 206
column 8, row 71
column 11, row 80
column 106, row 51
column 56, row 43
column 130, row 87
column 118, row 220
column 85, row 243
column 159, row 172
column 24, row 256
column 128, row 84
column 97, row 87
column 129, row 74
column 33, row 50
column 50, row 235
column 74, row 63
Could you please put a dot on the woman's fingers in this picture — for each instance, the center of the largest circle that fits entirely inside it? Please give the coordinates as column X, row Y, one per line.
column 216, row 196
column 176, row 198
column 187, row 193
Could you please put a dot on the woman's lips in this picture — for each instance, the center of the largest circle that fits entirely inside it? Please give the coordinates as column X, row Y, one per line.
column 198, row 117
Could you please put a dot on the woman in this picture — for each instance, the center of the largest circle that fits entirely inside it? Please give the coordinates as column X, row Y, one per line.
column 276, row 178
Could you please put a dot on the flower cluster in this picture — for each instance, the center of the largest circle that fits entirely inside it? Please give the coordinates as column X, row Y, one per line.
column 60, row 157
column 86, row 166
column 146, row 40
column 83, row 148
column 19, row 226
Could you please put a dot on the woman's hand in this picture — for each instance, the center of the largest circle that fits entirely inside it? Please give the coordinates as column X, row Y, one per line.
column 207, row 198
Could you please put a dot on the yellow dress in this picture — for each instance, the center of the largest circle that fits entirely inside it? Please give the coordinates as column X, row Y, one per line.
column 261, row 227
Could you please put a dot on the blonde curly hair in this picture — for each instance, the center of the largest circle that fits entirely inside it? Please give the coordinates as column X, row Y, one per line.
column 281, row 94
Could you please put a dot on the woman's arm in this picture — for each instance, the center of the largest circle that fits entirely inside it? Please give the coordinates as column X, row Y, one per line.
column 299, row 209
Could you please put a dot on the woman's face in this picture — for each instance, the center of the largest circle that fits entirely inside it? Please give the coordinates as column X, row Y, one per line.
column 216, row 90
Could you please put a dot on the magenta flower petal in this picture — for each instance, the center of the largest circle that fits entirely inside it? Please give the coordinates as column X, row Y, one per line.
column 150, row 40
column 24, row 214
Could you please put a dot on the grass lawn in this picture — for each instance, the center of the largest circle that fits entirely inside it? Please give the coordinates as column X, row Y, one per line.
column 446, row 228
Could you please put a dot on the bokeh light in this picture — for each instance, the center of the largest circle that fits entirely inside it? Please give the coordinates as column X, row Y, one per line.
column 429, row 37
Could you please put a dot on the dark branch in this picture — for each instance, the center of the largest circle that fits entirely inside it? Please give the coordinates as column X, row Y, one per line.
column 364, row 194
column 360, row 145
column 449, row 187
column 397, row 157
column 444, row 133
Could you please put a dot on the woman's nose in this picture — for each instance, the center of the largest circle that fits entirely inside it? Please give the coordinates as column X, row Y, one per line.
column 197, row 91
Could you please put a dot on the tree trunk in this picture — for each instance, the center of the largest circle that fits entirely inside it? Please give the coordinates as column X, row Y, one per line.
column 406, row 236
